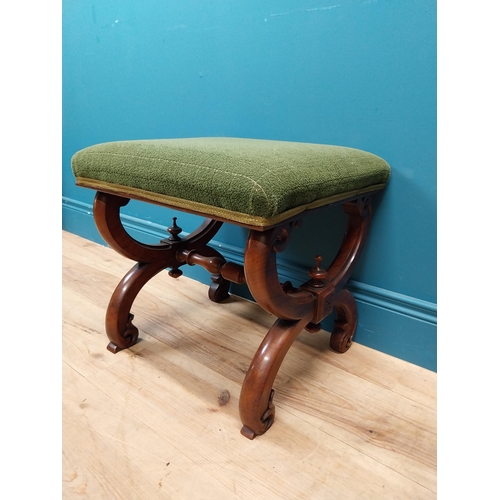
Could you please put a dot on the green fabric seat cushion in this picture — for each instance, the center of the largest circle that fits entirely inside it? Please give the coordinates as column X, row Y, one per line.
column 248, row 181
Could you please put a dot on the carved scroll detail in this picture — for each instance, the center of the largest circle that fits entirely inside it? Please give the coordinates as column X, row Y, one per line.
column 256, row 407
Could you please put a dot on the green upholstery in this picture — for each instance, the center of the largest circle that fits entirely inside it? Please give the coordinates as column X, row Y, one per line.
column 248, row 181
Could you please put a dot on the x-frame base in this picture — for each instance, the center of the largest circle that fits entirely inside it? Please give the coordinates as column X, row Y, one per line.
column 295, row 308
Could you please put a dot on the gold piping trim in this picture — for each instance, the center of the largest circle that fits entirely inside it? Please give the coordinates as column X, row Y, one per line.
column 211, row 210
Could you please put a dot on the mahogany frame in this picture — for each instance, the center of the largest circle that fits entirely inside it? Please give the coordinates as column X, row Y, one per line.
column 295, row 308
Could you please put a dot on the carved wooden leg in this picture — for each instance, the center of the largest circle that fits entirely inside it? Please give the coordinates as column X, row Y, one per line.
column 294, row 309
column 119, row 328
column 358, row 223
column 300, row 308
column 151, row 259
column 256, row 405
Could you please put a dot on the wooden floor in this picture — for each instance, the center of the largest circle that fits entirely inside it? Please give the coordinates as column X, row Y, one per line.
column 146, row 423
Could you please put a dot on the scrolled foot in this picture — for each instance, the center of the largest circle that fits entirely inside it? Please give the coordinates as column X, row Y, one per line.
column 346, row 322
column 129, row 336
column 219, row 289
column 341, row 341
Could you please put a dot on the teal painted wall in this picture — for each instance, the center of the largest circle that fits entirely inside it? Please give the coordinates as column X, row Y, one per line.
column 355, row 73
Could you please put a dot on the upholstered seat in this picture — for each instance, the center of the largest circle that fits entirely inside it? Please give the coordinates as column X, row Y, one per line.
column 247, row 181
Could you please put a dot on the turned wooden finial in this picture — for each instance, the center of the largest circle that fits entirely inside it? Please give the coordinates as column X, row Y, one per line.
column 174, row 230
column 317, row 274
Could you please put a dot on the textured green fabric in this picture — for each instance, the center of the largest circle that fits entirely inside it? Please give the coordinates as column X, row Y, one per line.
column 258, row 178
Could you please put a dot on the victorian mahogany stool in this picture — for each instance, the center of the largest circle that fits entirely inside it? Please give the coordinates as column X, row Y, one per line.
column 265, row 186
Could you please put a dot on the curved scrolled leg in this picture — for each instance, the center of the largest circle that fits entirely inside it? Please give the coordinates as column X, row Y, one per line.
column 346, row 322
column 151, row 259
column 256, row 399
column 119, row 328
column 296, row 309
column 358, row 222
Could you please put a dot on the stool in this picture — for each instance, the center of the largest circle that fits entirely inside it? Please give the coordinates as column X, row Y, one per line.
column 265, row 186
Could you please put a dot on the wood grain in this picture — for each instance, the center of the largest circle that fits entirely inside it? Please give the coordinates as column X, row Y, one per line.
column 148, row 421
